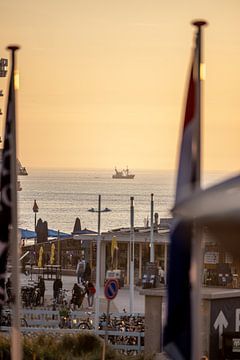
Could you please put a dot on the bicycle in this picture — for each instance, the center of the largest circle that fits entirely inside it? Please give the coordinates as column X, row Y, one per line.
column 67, row 322
column 5, row 319
column 86, row 324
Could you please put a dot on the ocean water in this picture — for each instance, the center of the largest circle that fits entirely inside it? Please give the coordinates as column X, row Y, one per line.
column 63, row 195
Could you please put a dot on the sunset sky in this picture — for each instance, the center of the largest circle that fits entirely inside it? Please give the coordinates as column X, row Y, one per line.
column 102, row 82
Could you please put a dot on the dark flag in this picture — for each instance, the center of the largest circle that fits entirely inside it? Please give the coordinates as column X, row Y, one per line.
column 178, row 329
column 177, row 335
column 6, row 201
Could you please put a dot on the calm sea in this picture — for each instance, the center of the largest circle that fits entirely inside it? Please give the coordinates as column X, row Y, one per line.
column 64, row 195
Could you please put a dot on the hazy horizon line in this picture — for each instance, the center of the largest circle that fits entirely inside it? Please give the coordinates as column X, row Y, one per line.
column 61, row 168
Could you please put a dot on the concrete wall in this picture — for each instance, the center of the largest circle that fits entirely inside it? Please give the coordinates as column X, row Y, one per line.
column 227, row 300
column 153, row 320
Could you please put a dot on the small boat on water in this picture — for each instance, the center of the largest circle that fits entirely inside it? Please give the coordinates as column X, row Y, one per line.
column 124, row 174
column 95, row 210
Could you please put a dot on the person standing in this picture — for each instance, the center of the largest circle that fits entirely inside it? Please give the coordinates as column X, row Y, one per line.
column 57, row 285
column 161, row 274
column 90, row 293
column 9, row 290
column 80, row 270
column 87, row 273
column 41, row 286
column 77, row 295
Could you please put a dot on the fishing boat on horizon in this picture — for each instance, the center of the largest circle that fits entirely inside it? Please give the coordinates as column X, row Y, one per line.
column 124, row 174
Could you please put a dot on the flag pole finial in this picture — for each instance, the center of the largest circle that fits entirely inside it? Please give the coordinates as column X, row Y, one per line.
column 198, row 23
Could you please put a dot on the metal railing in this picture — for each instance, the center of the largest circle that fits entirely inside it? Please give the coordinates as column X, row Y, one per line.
column 118, row 340
column 47, row 321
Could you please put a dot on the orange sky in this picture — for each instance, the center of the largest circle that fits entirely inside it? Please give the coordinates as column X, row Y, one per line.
column 102, row 82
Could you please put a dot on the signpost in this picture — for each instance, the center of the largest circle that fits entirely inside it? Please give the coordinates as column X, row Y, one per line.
column 110, row 292
column 98, row 211
column 111, row 289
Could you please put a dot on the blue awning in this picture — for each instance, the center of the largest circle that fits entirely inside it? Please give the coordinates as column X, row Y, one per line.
column 84, row 232
column 27, row 234
column 55, row 233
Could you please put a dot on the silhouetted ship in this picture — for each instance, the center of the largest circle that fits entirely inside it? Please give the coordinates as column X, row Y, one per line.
column 124, row 174
column 21, row 170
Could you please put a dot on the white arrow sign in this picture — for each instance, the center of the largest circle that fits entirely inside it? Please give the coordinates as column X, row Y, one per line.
column 220, row 323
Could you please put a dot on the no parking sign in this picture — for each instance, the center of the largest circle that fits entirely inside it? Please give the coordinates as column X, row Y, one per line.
column 111, row 289
column 110, row 292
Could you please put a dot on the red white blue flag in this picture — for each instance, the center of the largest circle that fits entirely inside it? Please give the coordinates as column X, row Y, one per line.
column 188, row 179
column 178, row 333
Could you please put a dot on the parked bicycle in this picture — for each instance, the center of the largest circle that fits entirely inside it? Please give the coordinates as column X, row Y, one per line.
column 86, row 324
column 123, row 323
column 68, row 322
column 5, row 319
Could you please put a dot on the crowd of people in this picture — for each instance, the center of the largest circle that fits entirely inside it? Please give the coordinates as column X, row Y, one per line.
column 83, row 286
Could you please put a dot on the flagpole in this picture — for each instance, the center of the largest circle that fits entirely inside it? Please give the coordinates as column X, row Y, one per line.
column 196, row 261
column 97, row 300
column 16, row 347
column 151, row 234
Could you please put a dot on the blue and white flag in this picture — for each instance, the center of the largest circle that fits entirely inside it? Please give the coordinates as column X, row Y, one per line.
column 178, row 333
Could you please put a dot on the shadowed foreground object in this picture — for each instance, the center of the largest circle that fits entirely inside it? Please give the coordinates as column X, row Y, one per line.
column 218, row 210
column 226, row 230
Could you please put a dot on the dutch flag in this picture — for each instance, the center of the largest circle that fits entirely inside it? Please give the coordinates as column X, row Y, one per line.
column 178, row 330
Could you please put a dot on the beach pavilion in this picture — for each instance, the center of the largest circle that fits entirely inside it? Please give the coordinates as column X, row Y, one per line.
column 217, row 263
column 119, row 259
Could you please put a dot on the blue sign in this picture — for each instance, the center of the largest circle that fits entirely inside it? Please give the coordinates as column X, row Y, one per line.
column 111, row 289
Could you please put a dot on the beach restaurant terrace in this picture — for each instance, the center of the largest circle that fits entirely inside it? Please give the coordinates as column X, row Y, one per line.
column 118, row 258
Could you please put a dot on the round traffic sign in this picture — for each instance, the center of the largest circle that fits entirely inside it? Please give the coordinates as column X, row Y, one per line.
column 111, row 289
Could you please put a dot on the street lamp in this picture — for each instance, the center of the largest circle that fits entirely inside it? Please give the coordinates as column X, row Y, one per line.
column 131, row 268
column 151, row 234
column 99, row 211
column 35, row 210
